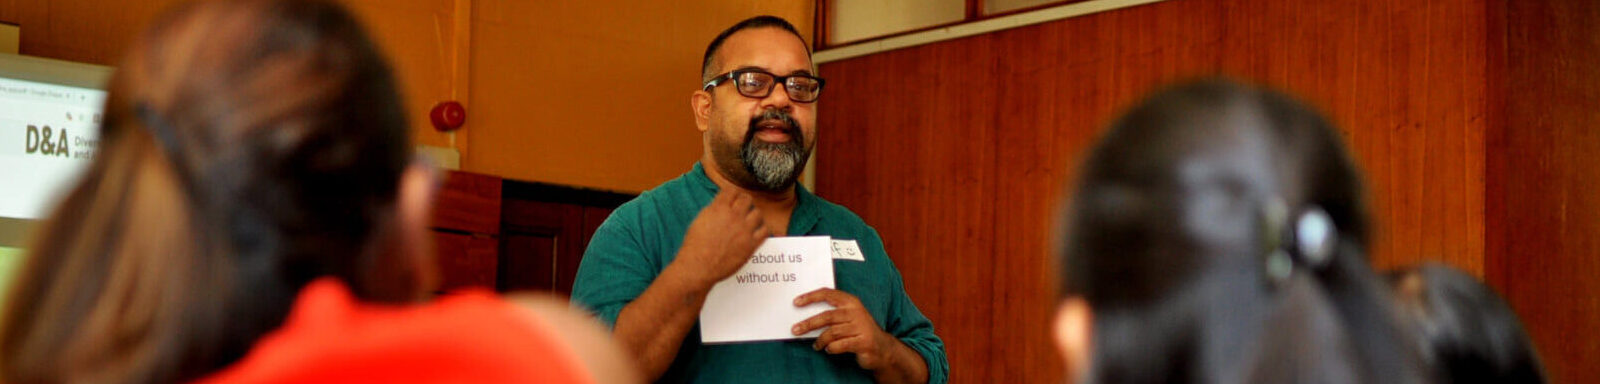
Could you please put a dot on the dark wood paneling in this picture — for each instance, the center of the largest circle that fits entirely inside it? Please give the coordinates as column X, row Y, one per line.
column 466, row 221
column 1543, row 183
column 546, row 228
column 955, row 151
column 567, row 268
column 469, row 202
column 466, row 260
column 569, row 250
column 537, row 235
column 527, row 261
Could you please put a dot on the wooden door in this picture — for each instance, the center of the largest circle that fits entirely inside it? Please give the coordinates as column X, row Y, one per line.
column 466, row 227
column 545, row 230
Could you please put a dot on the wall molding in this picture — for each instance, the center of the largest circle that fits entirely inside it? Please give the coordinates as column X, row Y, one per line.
column 974, row 28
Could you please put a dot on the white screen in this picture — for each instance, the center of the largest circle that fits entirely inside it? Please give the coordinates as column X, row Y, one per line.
column 38, row 93
column 47, row 135
column 35, row 170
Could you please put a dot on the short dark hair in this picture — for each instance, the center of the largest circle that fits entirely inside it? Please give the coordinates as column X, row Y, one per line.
column 763, row 21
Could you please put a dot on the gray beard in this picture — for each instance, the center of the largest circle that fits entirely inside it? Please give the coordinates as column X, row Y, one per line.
column 774, row 166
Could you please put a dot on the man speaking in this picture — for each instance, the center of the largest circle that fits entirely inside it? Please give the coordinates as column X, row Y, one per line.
column 650, row 266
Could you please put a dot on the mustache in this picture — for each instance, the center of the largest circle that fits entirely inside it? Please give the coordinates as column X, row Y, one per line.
column 790, row 126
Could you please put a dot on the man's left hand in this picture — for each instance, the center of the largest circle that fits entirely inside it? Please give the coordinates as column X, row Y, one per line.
column 850, row 328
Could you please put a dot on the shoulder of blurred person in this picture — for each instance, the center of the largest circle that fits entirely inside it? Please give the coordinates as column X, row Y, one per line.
column 467, row 336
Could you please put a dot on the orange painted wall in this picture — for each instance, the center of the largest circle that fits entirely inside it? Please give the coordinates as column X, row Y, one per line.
column 90, row 31
column 414, row 33
column 593, row 93
column 418, row 37
column 584, row 93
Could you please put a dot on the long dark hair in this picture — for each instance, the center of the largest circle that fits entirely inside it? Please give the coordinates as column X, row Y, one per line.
column 249, row 147
column 1175, row 237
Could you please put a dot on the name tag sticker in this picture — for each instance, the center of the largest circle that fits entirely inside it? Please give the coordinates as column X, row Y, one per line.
column 847, row 250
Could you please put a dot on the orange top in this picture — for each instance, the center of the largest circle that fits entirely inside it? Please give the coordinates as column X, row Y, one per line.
column 467, row 337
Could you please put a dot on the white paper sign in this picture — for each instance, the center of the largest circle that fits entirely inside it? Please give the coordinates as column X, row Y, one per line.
column 757, row 303
column 847, row 250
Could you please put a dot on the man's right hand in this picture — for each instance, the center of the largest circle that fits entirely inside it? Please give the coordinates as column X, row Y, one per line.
column 719, row 242
column 723, row 236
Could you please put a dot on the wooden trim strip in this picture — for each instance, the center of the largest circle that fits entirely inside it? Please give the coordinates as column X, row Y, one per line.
column 974, row 28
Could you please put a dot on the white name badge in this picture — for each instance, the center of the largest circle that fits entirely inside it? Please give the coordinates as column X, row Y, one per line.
column 757, row 303
column 847, row 250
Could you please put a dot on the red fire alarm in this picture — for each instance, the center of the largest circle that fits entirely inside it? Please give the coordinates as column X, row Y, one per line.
column 448, row 116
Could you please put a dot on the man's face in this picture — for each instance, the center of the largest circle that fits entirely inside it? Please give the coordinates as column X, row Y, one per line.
column 761, row 144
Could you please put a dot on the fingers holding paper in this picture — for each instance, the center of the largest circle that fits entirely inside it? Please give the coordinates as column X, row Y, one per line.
column 850, row 328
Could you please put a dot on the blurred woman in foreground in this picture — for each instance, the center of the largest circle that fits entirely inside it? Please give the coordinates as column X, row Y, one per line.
column 255, row 152
column 1218, row 235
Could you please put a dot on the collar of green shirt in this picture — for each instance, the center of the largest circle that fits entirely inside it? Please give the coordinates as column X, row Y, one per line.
column 807, row 210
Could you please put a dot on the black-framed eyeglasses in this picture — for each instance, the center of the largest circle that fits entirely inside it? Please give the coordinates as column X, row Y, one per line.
column 758, row 84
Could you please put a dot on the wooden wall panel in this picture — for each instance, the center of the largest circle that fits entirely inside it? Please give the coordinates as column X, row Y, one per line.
column 469, row 203
column 1395, row 75
column 466, row 225
column 538, row 235
column 567, row 268
column 466, row 260
column 942, row 201
column 1543, row 183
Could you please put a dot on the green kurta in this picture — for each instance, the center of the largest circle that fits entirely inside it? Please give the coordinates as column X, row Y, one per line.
column 640, row 238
